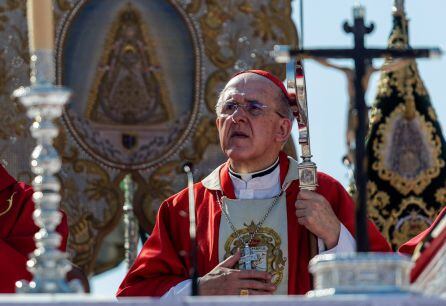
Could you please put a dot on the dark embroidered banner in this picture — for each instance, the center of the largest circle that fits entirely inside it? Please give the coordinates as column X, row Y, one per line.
column 406, row 150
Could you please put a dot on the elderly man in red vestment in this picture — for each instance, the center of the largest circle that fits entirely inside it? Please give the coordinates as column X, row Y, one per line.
column 17, row 231
column 252, row 203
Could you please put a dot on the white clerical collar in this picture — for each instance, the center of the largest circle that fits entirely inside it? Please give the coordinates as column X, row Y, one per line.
column 248, row 176
column 258, row 185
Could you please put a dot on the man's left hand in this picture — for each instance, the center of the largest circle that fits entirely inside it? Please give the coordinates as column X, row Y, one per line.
column 315, row 213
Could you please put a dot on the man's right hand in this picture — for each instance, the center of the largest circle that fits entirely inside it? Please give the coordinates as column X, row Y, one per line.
column 225, row 280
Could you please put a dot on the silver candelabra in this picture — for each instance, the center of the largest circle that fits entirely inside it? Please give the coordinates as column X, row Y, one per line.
column 44, row 103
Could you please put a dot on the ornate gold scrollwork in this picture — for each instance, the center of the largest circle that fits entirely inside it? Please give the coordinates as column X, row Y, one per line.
column 376, row 205
column 432, row 114
column 408, row 224
column 211, row 25
column 214, row 86
column 440, row 195
column 161, row 188
column 398, row 225
column 86, row 224
column 375, row 115
column 267, row 18
column 205, row 135
column 266, row 238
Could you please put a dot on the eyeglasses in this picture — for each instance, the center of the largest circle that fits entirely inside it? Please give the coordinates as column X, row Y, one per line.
column 253, row 108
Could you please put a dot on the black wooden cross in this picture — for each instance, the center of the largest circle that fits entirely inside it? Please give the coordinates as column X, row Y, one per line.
column 361, row 56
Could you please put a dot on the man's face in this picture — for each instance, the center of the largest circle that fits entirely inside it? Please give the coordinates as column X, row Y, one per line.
column 252, row 142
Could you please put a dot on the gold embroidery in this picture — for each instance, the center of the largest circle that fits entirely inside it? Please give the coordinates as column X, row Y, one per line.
column 203, row 137
column 409, row 153
column 375, row 115
column 267, row 242
column 404, row 79
column 398, row 226
column 407, row 148
column 376, row 202
column 440, row 196
column 380, row 198
column 409, row 223
column 214, row 86
column 86, row 223
column 431, row 113
column 9, row 201
column 271, row 22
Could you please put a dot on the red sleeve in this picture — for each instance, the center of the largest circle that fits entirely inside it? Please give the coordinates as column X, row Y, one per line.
column 17, row 231
column 409, row 247
column 344, row 208
column 12, row 265
column 159, row 266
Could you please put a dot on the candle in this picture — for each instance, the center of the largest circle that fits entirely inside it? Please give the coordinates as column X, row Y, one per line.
column 40, row 25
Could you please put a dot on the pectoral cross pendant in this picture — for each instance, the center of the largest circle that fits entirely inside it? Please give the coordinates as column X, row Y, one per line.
column 248, row 257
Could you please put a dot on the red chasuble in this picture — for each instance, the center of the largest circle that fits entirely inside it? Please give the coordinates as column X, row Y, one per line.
column 164, row 260
column 17, row 231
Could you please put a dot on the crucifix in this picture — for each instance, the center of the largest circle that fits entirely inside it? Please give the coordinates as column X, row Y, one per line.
column 361, row 57
column 388, row 66
column 248, row 258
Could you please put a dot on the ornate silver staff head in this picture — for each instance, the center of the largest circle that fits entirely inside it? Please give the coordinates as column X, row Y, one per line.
column 298, row 101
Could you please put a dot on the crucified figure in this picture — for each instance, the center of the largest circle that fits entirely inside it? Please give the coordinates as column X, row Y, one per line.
column 388, row 66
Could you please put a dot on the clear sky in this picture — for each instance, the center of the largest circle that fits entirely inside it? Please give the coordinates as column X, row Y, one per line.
column 326, row 88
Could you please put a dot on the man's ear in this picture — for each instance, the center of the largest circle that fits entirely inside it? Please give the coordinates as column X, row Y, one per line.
column 284, row 130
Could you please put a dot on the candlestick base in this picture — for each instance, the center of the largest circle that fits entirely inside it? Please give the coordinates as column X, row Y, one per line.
column 360, row 273
column 57, row 286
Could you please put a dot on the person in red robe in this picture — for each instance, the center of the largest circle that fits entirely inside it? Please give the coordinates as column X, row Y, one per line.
column 254, row 122
column 17, row 231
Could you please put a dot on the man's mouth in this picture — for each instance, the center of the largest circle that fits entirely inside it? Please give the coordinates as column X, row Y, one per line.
column 238, row 134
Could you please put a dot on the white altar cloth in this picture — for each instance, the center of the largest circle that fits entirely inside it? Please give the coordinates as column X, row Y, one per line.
column 341, row 300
